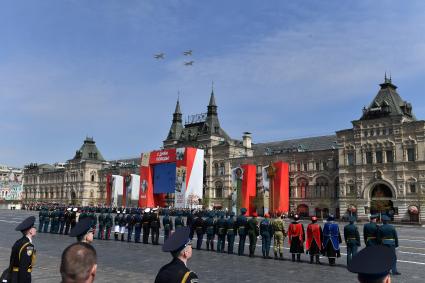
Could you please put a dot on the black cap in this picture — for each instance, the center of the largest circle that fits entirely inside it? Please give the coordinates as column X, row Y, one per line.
column 373, row 262
column 81, row 228
column 26, row 224
column 178, row 240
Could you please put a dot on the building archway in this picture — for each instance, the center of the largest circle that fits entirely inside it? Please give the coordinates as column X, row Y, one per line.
column 73, row 197
column 381, row 197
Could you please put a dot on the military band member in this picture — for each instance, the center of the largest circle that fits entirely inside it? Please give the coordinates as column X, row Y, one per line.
column 146, row 225
column 117, row 220
column 83, row 231
column 55, row 221
column 241, row 223
column 253, row 232
column 47, row 215
column 331, row 240
column 199, row 226
column 155, row 225
column 176, row 271
column 352, row 239
column 296, row 238
column 108, row 225
column 221, row 233
column 279, row 235
column 313, row 244
column 122, row 222
column 389, row 238
column 231, row 232
column 22, row 258
column 51, row 219
column 189, row 223
column 210, row 226
column 266, row 232
column 370, row 232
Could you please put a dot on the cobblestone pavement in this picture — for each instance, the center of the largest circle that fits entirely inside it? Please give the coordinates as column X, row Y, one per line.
column 131, row 262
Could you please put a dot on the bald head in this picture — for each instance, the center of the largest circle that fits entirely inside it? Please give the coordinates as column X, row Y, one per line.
column 79, row 263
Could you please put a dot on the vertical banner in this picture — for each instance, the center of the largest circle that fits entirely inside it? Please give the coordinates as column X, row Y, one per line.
column 266, row 188
column 237, row 177
column 117, row 189
column 127, row 188
column 249, row 187
column 146, row 187
column 195, row 176
column 281, row 187
column 181, row 173
column 134, row 190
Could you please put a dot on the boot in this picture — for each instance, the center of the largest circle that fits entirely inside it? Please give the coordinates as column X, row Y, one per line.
column 116, row 236
column 318, row 259
column 298, row 258
column 275, row 256
column 281, row 256
column 293, row 257
column 311, row 259
column 122, row 237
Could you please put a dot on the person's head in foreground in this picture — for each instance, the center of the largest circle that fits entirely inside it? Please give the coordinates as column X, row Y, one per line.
column 373, row 264
column 83, row 231
column 27, row 227
column 79, row 263
column 179, row 244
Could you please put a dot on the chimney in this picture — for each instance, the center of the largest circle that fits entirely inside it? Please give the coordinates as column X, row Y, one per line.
column 247, row 140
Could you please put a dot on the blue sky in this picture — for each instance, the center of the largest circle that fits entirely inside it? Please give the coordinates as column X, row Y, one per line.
column 281, row 69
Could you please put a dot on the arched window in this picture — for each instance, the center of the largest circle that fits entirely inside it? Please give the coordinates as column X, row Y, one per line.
column 302, row 185
column 322, row 187
column 218, row 189
column 221, row 170
column 216, row 169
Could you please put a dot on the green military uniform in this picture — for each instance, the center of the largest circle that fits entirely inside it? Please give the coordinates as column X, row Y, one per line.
column 388, row 237
column 352, row 239
column 279, row 236
column 370, row 233
column 253, row 232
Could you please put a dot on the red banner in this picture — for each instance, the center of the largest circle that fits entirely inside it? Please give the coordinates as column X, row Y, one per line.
column 281, row 188
column 146, row 198
column 162, row 156
column 108, row 189
column 249, row 187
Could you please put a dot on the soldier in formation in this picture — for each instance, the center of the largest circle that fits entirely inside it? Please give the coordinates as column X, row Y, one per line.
column 155, row 225
column 296, row 238
column 266, row 232
column 279, row 236
column 351, row 238
column 314, row 240
column 253, row 232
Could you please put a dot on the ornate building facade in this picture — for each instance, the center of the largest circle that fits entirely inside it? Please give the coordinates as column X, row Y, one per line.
column 75, row 182
column 10, row 183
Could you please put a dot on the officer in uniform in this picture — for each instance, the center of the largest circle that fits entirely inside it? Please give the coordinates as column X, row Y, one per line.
column 108, row 225
column 40, row 220
column 155, row 225
column 178, row 221
column 22, row 258
column 370, row 232
column 68, row 214
column 101, row 221
column 266, row 232
column 122, row 224
column 231, row 230
column 313, row 244
column 296, row 238
column 388, row 236
column 199, row 226
column 253, row 232
column 241, row 224
column 373, row 264
column 61, row 220
column 210, row 224
column 146, row 225
column 137, row 226
column 180, row 247
column 83, row 231
column 92, row 216
column 74, row 217
column 167, row 223
column 331, row 240
column 55, row 222
column 279, row 236
column 130, row 221
column 352, row 239
column 189, row 222
column 47, row 215
column 221, row 233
